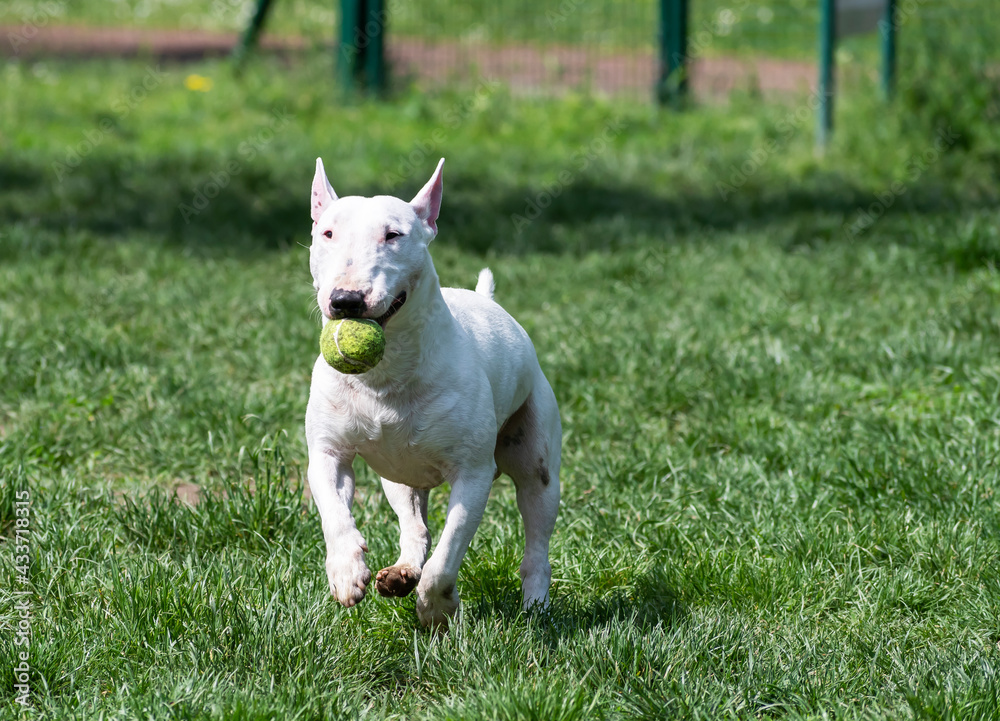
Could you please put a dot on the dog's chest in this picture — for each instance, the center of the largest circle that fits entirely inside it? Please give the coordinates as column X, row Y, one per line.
column 407, row 447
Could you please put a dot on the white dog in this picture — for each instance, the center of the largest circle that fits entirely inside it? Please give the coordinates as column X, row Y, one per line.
column 458, row 397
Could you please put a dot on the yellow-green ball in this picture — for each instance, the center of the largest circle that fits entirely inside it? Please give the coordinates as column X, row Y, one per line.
column 352, row 345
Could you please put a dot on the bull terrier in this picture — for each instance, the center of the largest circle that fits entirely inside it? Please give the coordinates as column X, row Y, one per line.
column 458, row 398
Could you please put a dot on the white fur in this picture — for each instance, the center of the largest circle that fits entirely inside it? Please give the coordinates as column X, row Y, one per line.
column 485, row 285
column 458, row 397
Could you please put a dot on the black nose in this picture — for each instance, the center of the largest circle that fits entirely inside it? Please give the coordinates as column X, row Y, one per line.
column 347, row 303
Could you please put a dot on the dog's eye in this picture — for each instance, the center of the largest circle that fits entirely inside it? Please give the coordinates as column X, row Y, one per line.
column 391, row 235
column 328, row 234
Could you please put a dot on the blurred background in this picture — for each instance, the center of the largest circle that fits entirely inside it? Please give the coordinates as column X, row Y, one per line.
column 117, row 67
column 535, row 48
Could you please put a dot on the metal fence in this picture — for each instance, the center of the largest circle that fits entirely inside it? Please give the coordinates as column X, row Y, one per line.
column 532, row 46
column 674, row 49
column 616, row 48
column 710, row 48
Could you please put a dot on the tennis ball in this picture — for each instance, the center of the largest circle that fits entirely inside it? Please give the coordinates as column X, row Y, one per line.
column 352, row 345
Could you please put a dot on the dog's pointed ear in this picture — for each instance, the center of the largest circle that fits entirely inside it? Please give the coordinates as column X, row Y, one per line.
column 427, row 202
column 322, row 192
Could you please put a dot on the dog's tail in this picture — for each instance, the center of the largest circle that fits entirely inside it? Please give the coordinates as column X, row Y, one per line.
column 485, row 285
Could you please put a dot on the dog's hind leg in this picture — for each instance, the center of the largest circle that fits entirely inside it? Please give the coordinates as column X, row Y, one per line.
column 529, row 450
column 410, row 505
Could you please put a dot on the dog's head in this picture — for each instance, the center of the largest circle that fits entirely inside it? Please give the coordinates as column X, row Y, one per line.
column 368, row 253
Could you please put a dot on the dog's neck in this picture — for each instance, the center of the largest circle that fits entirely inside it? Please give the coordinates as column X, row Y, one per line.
column 412, row 333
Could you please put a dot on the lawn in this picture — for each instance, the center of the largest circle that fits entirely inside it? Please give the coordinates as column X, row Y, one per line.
column 778, row 371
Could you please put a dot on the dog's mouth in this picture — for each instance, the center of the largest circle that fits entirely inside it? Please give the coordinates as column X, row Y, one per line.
column 396, row 304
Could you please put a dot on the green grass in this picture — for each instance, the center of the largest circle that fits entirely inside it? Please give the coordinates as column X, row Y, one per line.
column 780, row 456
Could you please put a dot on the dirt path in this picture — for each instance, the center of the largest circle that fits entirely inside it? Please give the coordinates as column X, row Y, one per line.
column 73, row 41
column 526, row 69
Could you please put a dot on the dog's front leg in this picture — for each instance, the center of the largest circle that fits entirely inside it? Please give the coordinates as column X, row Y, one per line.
column 331, row 480
column 410, row 505
column 437, row 596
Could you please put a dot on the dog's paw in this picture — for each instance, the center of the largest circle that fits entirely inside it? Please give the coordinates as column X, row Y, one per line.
column 396, row 581
column 535, row 604
column 535, row 581
column 435, row 608
column 349, row 576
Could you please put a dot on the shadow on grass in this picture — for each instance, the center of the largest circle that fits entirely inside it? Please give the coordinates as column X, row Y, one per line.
column 193, row 203
column 647, row 602
column 651, row 601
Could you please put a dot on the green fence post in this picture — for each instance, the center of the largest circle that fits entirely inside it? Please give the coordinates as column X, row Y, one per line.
column 672, row 84
column 374, row 32
column 362, row 45
column 827, row 45
column 888, row 28
column 249, row 38
column 349, row 57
